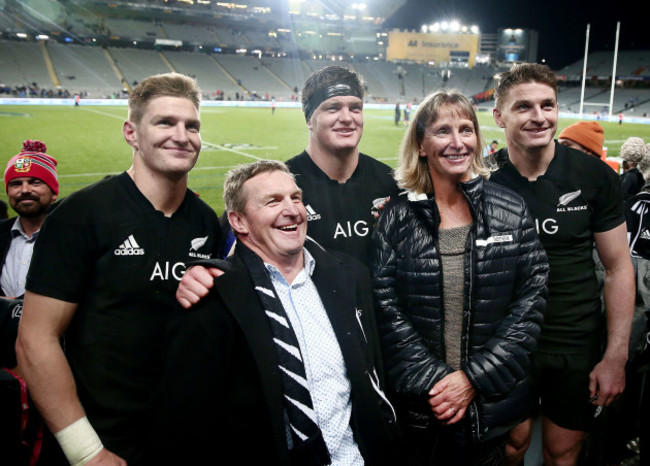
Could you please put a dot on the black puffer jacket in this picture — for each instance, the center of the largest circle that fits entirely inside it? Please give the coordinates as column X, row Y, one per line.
column 506, row 270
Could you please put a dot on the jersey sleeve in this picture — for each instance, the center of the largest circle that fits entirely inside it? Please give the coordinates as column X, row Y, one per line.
column 609, row 209
column 61, row 262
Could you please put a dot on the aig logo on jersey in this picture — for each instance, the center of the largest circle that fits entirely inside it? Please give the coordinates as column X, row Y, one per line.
column 311, row 213
column 130, row 247
column 566, row 199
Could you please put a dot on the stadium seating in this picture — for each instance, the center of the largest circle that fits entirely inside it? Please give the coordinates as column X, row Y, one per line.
column 84, row 68
column 289, row 48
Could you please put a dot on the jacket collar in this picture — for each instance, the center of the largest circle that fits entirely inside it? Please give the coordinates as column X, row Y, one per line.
column 472, row 190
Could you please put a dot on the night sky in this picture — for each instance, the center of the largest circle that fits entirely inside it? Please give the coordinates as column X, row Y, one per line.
column 561, row 24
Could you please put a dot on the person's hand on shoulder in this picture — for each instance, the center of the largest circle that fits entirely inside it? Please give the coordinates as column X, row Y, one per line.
column 196, row 284
column 378, row 206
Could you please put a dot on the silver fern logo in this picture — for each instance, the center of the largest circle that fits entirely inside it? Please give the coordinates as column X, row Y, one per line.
column 195, row 245
column 568, row 197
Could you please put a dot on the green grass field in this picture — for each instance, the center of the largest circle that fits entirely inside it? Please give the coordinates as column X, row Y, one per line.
column 88, row 144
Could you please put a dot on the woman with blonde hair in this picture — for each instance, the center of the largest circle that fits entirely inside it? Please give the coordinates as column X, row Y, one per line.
column 460, row 287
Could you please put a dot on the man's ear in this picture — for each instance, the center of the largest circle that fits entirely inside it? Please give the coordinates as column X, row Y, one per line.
column 310, row 122
column 129, row 131
column 496, row 113
column 237, row 223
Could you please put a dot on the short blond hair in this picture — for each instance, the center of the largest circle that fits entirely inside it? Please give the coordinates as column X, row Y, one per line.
column 162, row 85
column 412, row 171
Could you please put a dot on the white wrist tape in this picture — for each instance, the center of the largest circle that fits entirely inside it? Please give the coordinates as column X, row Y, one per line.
column 79, row 442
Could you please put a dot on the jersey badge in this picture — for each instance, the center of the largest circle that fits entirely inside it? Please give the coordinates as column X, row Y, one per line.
column 494, row 239
column 195, row 245
column 563, row 202
column 23, row 164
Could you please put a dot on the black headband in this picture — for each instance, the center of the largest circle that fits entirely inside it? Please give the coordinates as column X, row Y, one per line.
column 327, row 92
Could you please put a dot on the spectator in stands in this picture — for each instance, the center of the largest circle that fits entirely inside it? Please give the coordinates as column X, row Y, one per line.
column 104, row 273
column 494, row 146
column 32, row 186
column 341, row 186
column 456, row 339
column 585, row 136
column 280, row 291
column 631, row 415
column 588, row 137
column 632, row 152
column 575, row 201
column 638, row 207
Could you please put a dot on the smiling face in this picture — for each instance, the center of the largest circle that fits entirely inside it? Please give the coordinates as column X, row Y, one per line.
column 274, row 221
column 529, row 114
column 29, row 197
column 166, row 139
column 449, row 145
column 337, row 124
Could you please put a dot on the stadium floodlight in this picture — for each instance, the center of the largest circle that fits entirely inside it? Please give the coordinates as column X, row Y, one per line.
column 21, row 35
column 474, row 29
column 454, row 26
column 444, row 25
column 425, row 28
column 435, row 27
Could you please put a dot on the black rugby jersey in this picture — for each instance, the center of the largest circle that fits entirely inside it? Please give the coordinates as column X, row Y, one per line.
column 339, row 214
column 106, row 248
column 579, row 195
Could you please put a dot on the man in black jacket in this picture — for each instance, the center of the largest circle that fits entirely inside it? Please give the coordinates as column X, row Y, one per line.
column 342, row 187
column 285, row 325
column 32, row 186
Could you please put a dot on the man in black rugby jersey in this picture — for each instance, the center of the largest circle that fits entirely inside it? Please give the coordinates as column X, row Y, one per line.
column 576, row 201
column 104, row 274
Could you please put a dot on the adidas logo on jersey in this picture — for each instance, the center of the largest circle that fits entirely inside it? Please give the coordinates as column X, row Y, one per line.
column 130, row 247
column 311, row 213
column 645, row 234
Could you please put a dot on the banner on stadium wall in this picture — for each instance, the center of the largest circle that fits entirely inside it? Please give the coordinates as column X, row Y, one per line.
column 426, row 48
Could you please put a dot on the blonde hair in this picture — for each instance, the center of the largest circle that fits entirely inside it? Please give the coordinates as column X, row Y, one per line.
column 412, row 172
column 162, row 85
